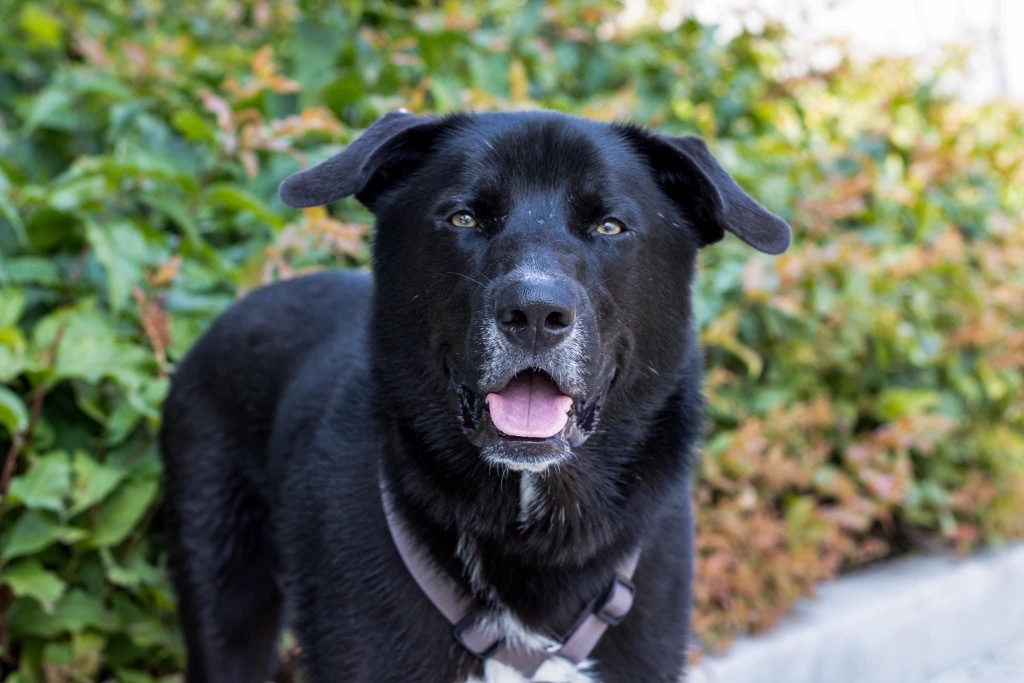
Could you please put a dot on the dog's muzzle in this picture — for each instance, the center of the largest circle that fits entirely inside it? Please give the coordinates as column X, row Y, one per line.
column 535, row 397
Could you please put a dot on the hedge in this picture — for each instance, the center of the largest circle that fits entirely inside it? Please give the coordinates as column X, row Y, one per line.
column 866, row 388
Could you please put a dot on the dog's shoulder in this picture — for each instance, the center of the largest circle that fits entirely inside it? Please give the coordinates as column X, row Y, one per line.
column 239, row 372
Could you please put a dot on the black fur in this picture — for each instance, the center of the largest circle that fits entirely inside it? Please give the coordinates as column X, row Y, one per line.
column 280, row 416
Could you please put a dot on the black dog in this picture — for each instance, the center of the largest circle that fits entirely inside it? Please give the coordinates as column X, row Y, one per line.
column 519, row 381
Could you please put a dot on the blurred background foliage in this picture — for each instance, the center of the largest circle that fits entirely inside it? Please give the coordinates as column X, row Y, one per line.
column 866, row 387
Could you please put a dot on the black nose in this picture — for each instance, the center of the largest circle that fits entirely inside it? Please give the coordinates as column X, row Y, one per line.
column 536, row 314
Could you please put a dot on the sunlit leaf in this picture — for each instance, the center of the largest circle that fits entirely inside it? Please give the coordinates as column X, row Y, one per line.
column 121, row 249
column 46, row 484
column 35, row 531
column 13, row 413
column 117, row 516
column 42, row 27
column 93, row 481
column 30, row 579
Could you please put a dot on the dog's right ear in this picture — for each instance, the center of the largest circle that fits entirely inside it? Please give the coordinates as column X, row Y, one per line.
column 371, row 163
column 692, row 178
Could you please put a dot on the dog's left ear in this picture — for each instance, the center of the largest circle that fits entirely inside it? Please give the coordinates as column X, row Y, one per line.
column 692, row 178
column 385, row 152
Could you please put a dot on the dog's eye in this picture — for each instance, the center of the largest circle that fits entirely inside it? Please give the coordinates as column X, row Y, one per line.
column 462, row 219
column 610, row 226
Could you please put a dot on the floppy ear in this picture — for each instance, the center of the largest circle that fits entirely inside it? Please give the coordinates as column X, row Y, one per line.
column 692, row 178
column 364, row 168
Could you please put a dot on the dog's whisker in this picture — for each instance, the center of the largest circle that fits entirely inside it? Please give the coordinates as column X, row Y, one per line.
column 607, row 279
column 463, row 275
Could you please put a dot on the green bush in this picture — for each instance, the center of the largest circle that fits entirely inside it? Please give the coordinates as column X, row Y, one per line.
column 866, row 388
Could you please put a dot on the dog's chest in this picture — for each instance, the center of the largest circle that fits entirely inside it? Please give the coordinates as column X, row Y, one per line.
column 555, row 670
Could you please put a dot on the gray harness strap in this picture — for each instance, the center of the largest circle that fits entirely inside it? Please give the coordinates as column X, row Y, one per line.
column 476, row 634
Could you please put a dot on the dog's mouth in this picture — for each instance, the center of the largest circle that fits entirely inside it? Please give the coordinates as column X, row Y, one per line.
column 529, row 423
column 530, row 406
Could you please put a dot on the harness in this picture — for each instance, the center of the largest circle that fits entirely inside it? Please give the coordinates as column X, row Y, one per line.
column 479, row 636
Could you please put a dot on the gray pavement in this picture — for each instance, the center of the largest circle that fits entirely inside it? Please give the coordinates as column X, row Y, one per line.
column 913, row 620
column 1003, row 664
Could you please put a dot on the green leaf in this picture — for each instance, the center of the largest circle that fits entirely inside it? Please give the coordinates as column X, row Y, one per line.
column 12, row 354
column 236, row 199
column 119, row 424
column 42, row 27
column 57, row 657
column 93, row 482
column 7, row 210
column 144, row 627
column 46, row 483
column 133, row 676
column 28, row 619
column 87, row 648
column 133, row 573
column 896, row 402
column 86, row 342
column 77, row 610
column 117, row 516
column 12, row 304
column 90, row 347
column 30, row 579
column 121, row 250
column 13, row 413
column 78, row 193
column 148, row 395
column 804, row 524
column 31, row 270
column 194, row 126
column 50, row 107
column 34, row 531
column 177, row 212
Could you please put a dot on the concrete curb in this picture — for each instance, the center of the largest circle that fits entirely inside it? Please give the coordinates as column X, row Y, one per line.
column 1003, row 664
column 906, row 621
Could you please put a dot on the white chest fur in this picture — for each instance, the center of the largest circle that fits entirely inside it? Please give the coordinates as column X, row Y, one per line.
column 555, row 670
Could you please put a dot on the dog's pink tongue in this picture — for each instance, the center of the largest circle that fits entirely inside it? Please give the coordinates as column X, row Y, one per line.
column 530, row 406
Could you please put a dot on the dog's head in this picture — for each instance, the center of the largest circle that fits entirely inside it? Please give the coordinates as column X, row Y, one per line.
column 533, row 272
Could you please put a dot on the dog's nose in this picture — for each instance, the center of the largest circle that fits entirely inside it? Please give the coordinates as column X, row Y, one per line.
column 537, row 314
